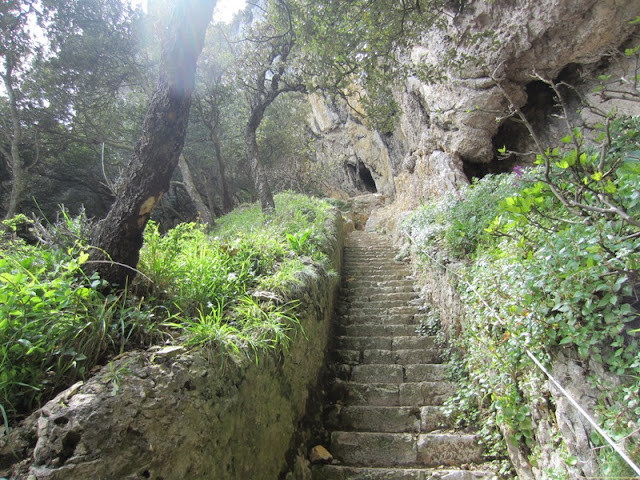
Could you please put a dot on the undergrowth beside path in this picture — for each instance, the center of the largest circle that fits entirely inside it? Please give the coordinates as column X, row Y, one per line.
column 547, row 261
column 232, row 290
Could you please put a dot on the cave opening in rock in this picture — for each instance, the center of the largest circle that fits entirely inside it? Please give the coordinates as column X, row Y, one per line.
column 361, row 177
column 543, row 113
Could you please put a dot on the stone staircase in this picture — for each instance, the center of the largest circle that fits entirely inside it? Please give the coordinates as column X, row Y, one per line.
column 386, row 421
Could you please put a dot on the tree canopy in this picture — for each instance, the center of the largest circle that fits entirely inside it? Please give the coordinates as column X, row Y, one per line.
column 77, row 75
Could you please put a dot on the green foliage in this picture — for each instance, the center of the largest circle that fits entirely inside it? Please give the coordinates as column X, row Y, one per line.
column 350, row 49
column 247, row 329
column 55, row 325
column 457, row 224
column 231, row 291
column 12, row 224
column 554, row 265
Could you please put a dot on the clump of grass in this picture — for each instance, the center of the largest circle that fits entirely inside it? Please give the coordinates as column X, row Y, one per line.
column 232, row 289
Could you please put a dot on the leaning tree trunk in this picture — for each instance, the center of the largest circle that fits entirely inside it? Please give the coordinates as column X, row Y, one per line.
column 118, row 238
column 257, row 167
column 204, row 213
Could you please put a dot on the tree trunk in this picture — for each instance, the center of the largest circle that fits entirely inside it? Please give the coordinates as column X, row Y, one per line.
column 227, row 201
column 203, row 210
column 118, row 238
column 16, row 164
column 257, row 167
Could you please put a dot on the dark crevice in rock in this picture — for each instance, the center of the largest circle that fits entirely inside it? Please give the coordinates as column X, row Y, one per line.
column 69, row 444
column 361, row 177
column 61, row 421
column 479, row 170
column 543, row 112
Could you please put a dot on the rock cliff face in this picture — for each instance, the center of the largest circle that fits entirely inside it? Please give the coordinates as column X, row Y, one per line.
column 450, row 131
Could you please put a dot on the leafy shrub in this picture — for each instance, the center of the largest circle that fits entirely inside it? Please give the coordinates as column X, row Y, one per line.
column 554, row 265
column 55, row 325
column 457, row 224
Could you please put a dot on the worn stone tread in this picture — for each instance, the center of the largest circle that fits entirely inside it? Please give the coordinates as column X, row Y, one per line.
column 392, row 372
column 341, row 472
column 400, row 357
column 392, row 449
column 408, row 419
column 377, row 330
column 393, row 394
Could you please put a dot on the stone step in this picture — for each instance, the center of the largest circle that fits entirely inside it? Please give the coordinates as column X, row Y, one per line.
column 392, row 449
column 371, row 263
column 365, row 418
column 374, row 298
column 379, row 373
column 375, row 277
column 370, row 273
column 378, row 302
column 369, row 311
column 392, row 373
column 400, row 286
column 377, row 330
column 385, row 343
column 378, row 295
column 422, row 372
column 398, row 357
column 341, row 472
column 369, row 252
column 373, row 305
column 358, row 269
column 393, row 394
column 367, row 283
column 374, row 260
column 383, row 319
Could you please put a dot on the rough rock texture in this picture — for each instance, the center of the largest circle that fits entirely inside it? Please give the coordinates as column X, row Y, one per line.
column 573, row 375
column 351, row 150
column 460, row 119
column 172, row 414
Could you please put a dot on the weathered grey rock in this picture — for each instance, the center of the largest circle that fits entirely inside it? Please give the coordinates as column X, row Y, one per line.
column 445, row 124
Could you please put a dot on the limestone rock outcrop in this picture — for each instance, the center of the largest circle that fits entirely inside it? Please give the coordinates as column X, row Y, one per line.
column 505, row 43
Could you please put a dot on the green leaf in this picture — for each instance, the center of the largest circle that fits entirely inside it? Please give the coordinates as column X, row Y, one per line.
column 630, row 52
column 567, row 139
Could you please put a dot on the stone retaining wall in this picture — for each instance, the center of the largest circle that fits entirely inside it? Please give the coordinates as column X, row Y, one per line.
column 174, row 415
